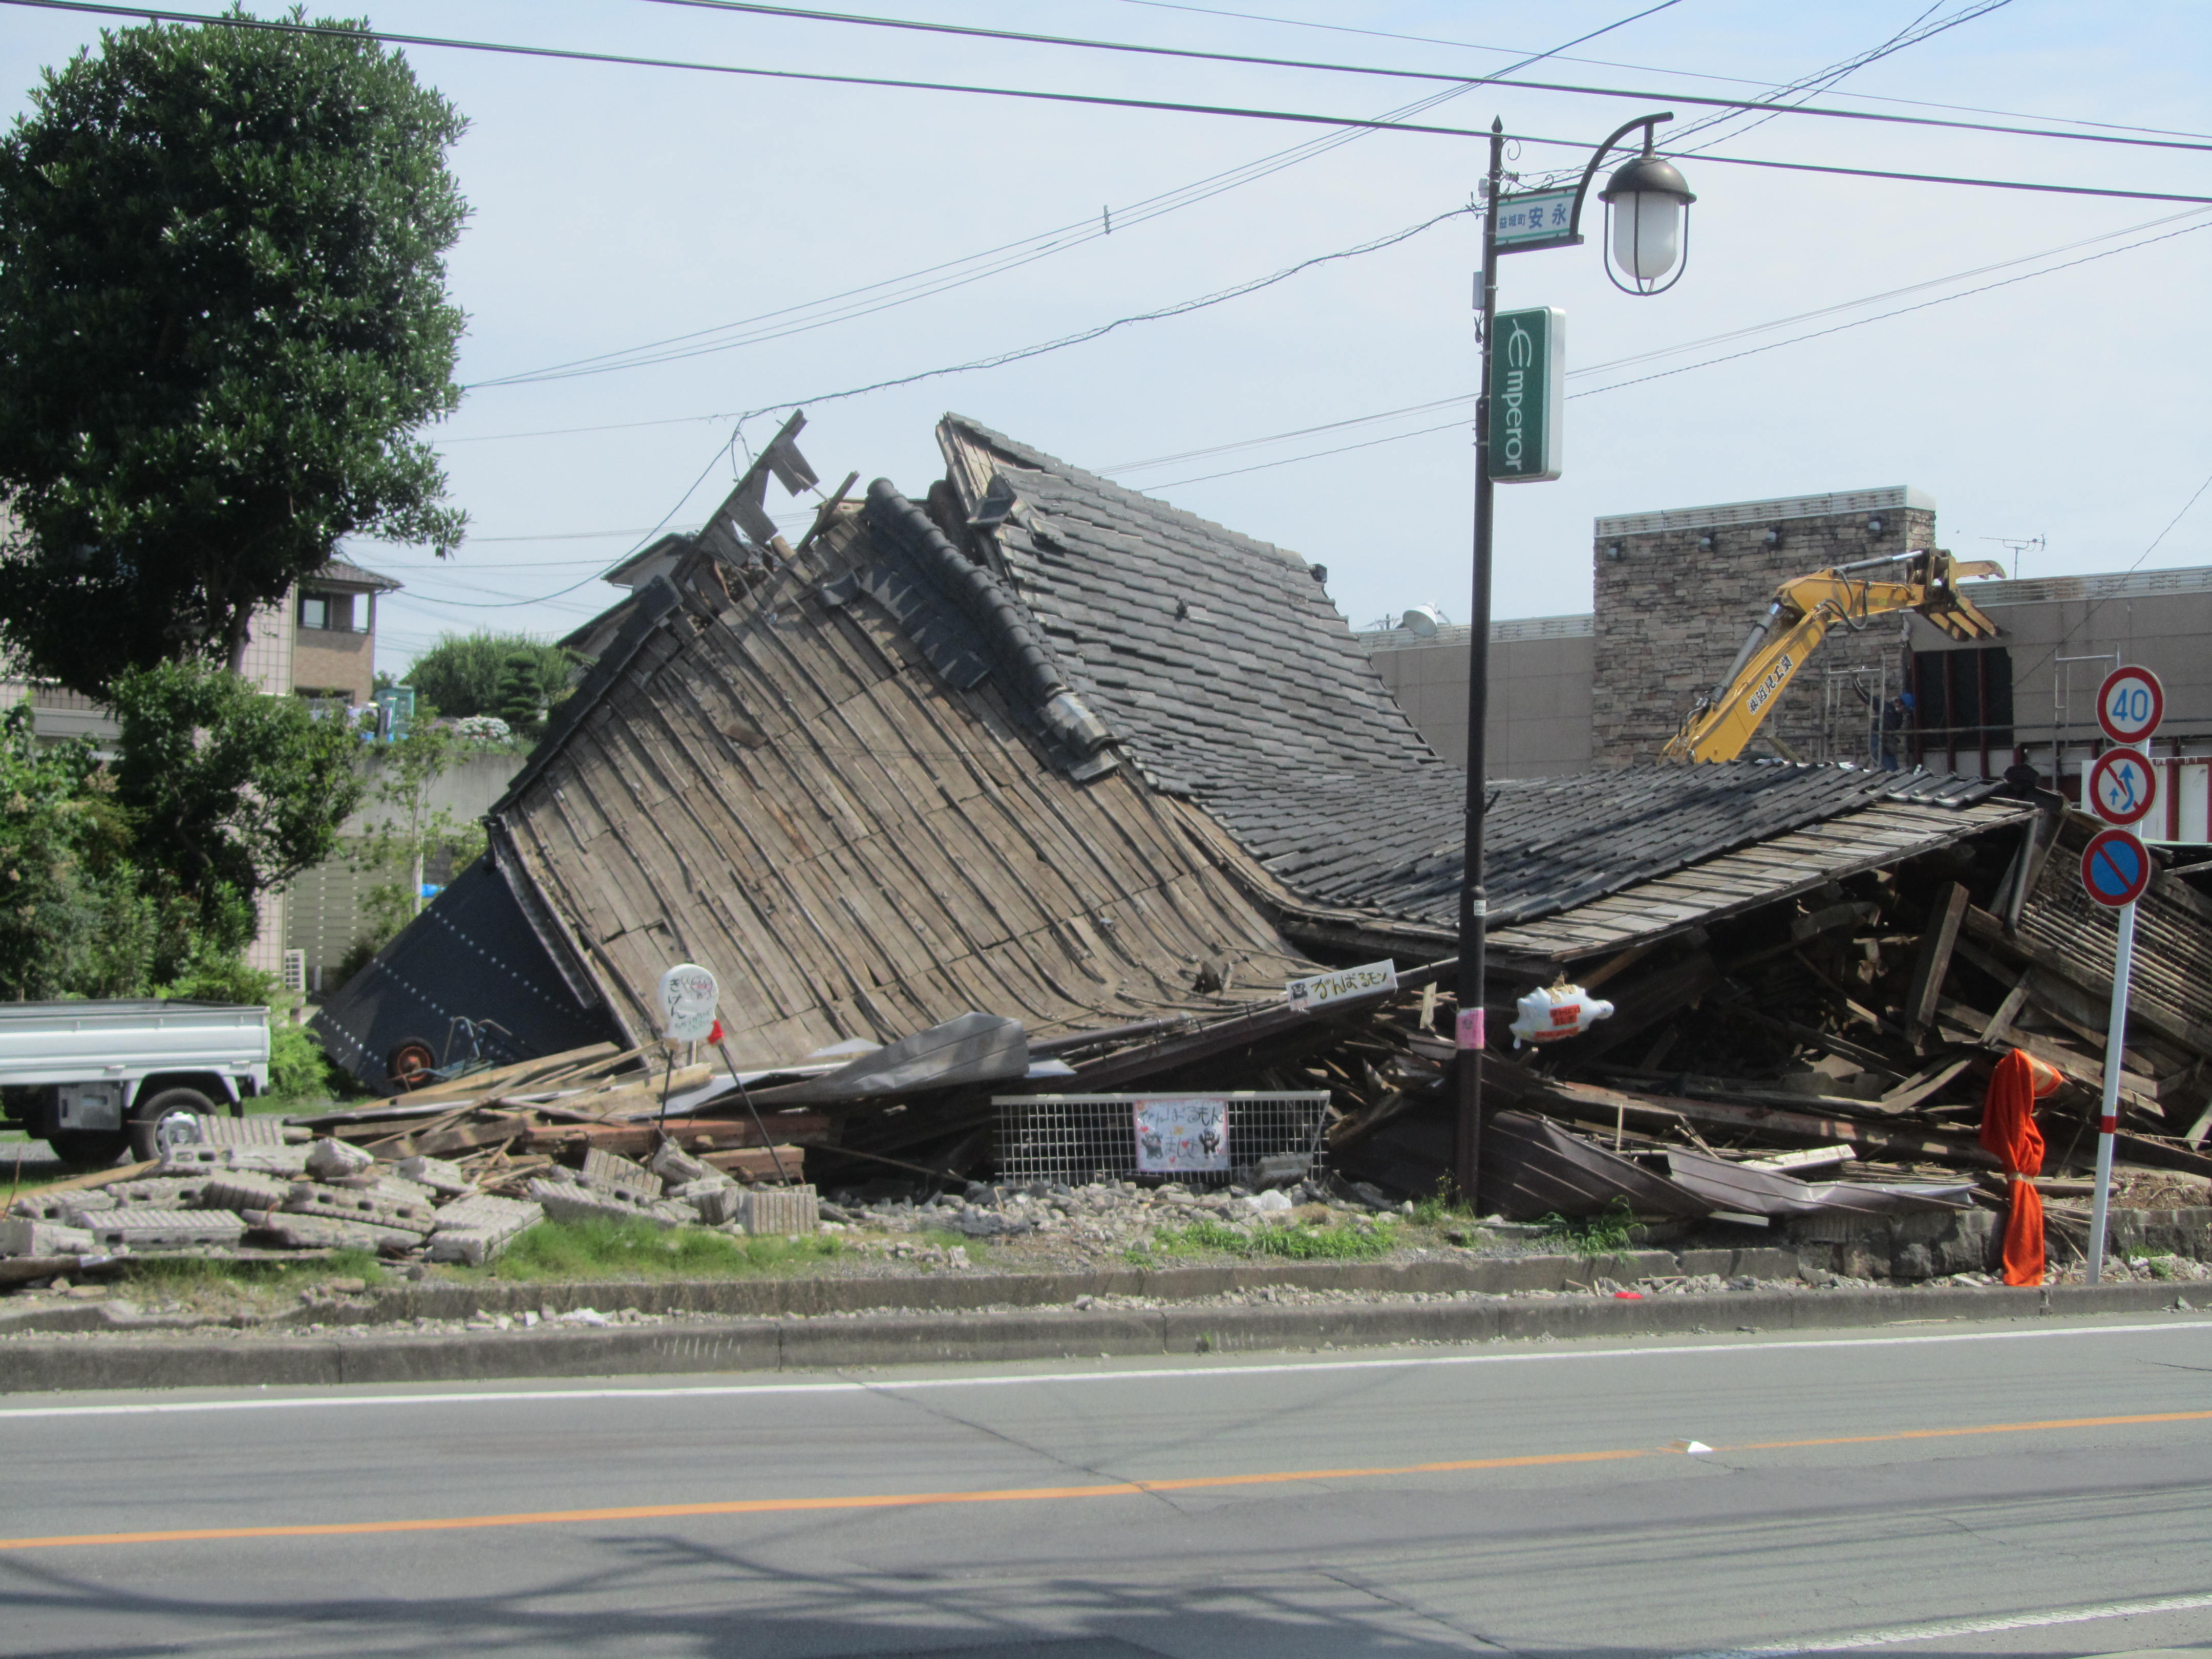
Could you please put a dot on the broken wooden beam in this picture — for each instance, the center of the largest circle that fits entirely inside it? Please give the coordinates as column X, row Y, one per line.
column 1934, row 961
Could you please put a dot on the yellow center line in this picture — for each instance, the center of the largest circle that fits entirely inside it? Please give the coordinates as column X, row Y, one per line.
column 1038, row 1494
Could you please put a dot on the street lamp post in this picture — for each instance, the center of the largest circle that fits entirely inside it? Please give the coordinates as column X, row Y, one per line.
column 1646, row 205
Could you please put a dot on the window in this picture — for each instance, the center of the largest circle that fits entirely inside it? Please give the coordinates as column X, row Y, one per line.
column 1964, row 701
column 330, row 612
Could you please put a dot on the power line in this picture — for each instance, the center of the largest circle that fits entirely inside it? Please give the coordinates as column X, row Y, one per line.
column 998, row 359
column 1902, row 177
column 1012, row 256
column 1708, row 363
column 1647, row 69
column 1764, row 107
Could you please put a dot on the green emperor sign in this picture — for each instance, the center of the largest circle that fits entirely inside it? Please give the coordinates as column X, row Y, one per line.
column 1528, row 386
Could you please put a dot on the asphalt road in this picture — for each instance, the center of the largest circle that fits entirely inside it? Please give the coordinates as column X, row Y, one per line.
column 1998, row 1490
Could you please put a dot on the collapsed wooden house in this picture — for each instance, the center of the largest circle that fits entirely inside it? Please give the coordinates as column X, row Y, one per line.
column 1042, row 747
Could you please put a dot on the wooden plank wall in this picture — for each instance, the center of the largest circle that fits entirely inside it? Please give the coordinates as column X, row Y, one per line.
column 790, row 796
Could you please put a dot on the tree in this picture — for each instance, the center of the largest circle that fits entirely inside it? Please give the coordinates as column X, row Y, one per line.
column 73, row 921
column 222, row 312
column 230, row 792
column 521, row 703
column 459, row 676
column 412, row 829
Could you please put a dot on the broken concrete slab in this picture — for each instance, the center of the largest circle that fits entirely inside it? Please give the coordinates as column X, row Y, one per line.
column 328, row 1159
column 189, row 1161
column 787, row 1210
column 299, row 1232
column 135, row 1227
column 240, row 1189
column 475, row 1229
column 442, row 1178
column 562, row 1202
column 24, row 1236
column 611, row 1173
column 344, row 1204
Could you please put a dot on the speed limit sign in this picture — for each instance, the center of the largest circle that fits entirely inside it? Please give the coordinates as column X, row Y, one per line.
column 2129, row 704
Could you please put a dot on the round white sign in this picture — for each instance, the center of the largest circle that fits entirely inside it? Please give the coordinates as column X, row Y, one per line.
column 688, row 996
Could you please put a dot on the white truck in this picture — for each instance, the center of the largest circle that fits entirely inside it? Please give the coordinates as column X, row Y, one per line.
column 91, row 1079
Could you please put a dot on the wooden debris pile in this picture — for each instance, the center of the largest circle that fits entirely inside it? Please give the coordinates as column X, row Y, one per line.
column 1846, row 1036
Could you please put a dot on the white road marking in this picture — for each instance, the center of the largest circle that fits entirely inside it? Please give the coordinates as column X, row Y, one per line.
column 1177, row 1373
column 1947, row 1628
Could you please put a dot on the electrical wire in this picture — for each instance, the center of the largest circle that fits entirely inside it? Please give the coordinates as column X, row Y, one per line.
column 1767, row 109
column 1708, row 363
column 933, row 279
column 1083, row 336
column 1646, row 68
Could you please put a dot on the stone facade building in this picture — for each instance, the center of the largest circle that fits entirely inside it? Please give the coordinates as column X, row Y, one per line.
column 1677, row 590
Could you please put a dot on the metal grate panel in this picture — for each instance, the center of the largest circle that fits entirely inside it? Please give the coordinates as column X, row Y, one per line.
column 1078, row 1137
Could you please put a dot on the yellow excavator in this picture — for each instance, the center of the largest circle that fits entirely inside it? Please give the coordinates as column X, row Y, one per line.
column 1804, row 608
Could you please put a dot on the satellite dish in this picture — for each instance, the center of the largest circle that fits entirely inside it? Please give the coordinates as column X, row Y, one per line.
column 1421, row 621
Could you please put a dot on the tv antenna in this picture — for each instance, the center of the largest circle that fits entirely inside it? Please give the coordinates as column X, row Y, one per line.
column 2017, row 548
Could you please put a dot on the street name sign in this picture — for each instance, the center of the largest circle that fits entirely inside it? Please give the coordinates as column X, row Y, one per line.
column 2129, row 704
column 1527, row 395
column 2122, row 786
column 1535, row 219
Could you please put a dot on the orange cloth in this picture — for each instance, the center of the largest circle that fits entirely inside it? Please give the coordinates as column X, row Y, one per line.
column 2009, row 1130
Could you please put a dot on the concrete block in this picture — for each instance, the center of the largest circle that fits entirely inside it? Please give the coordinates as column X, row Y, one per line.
column 715, row 1203
column 475, row 1229
column 22, row 1235
column 264, row 1129
column 297, row 1231
column 169, row 1193
column 40, row 1207
column 135, row 1227
column 677, row 1167
column 613, row 1174
column 773, row 1210
column 566, row 1203
column 399, row 1188
column 74, row 1207
column 344, row 1203
column 242, row 1189
column 327, row 1159
column 189, row 1161
column 444, row 1179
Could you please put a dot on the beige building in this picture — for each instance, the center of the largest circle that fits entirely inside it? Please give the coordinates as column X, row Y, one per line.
column 318, row 641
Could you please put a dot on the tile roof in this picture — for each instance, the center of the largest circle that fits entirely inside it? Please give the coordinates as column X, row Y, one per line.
column 1228, row 677
column 345, row 573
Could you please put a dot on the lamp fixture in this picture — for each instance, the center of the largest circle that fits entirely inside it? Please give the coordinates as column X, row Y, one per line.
column 1647, row 209
column 1876, row 524
column 1772, row 539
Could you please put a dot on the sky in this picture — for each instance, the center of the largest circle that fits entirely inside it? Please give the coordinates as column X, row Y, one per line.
column 618, row 206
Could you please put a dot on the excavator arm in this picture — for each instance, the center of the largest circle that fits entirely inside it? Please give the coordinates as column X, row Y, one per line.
column 1803, row 610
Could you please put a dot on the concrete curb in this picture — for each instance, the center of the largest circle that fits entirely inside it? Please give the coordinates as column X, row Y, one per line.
column 32, row 1364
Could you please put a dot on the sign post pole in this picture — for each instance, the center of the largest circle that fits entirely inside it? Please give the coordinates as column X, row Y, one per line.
column 2115, row 868
column 2108, row 1122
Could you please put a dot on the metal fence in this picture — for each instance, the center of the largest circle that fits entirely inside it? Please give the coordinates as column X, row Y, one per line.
column 1080, row 1138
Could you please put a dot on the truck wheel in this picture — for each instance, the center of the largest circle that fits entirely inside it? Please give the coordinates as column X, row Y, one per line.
column 149, row 1139
column 408, row 1066
column 89, row 1149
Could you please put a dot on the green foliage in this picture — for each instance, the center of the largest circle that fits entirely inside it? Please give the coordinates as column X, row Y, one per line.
column 210, row 975
column 638, row 1249
column 521, row 703
column 298, row 1068
column 409, row 834
column 230, row 792
column 1603, row 1234
column 463, row 674
column 1443, row 1206
column 222, row 312
column 1357, row 1240
column 73, row 920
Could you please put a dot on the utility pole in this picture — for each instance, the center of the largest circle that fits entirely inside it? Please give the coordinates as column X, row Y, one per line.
column 1473, row 903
